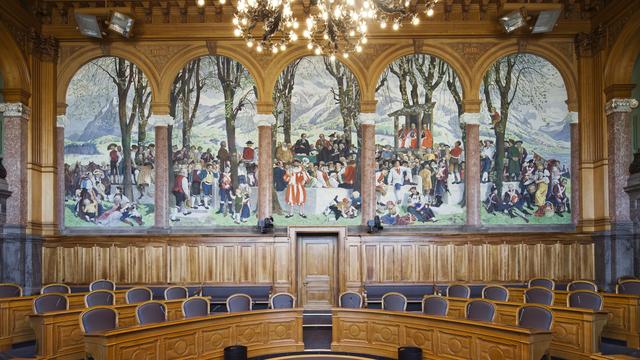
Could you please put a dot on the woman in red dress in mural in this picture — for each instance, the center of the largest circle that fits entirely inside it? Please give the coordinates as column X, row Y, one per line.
column 427, row 138
column 296, row 195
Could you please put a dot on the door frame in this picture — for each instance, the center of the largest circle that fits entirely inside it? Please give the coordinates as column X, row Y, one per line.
column 341, row 234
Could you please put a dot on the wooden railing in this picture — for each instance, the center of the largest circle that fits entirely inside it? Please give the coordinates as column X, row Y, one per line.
column 576, row 332
column 380, row 333
column 263, row 332
column 624, row 323
column 14, row 316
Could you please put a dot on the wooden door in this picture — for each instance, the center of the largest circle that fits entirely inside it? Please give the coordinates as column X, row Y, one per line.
column 317, row 270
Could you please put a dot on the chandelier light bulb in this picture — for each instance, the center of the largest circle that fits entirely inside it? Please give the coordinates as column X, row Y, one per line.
column 234, row 21
column 310, row 46
column 259, row 48
column 309, row 22
column 407, row 3
column 345, row 55
column 237, row 32
column 396, row 26
column 244, row 21
column 364, row 40
column 352, row 33
column 318, row 51
column 430, row 12
column 415, row 20
column 296, row 25
column 249, row 44
column 293, row 36
column 222, row 2
column 325, row 36
column 332, row 57
column 383, row 24
column 200, row 3
column 274, row 49
column 358, row 48
column 283, row 47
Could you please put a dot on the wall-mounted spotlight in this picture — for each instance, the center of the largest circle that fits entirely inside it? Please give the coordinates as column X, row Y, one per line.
column 374, row 226
column 546, row 21
column 514, row 20
column 88, row 25
column 265, row 225
column 121, row 23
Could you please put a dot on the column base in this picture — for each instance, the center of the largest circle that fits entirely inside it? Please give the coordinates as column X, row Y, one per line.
column 616, row 254
column 21, row 256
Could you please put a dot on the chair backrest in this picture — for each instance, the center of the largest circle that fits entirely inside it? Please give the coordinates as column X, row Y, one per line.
column 176, row 292
column 151, row 312
column 195, row 306
column 239, row 303
column 102, row 284
column 585, row 299
column 626, row 277
column 55, row 288
column 138, row 295
column 394, row 301
column 480, row 310
column 8, row 290
column 100, row 298
column 49, row 303
column 458, row 290
column 435, row 305
column 543, row 282
column 282, row 301
column 629, row 287
column 538, row 295
column 582, row 285
column 495, row 293
column 534, row 317
column 99, row 318
column 350, row 300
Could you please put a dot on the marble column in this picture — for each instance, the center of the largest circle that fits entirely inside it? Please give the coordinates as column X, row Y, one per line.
column 264, row 122
column 615, row 248
column 16, row 117
column 575, row 168
column 368, row 166
column 472, row 167
column 60, row 193
column 162, row 172
column 21, row 259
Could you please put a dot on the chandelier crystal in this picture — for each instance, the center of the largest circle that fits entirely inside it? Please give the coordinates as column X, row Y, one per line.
column 394, row 13
column 266, row 25
column 335, row 27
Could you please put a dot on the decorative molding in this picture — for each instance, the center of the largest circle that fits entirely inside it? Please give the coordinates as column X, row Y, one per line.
column 573, row 117
column 620, row 106
column 264, row 120
column 160, row 54
column 67, row 51
column 161, row 120
column 33, row 42
column 368, row 118
column 60, row 120
column 371, row 52
column 470, row 118
column 15, row 110
column 471, row 51
column 564, row 48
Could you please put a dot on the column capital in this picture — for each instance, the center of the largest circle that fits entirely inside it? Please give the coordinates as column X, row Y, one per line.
column 470, row 118
column 368, row 106
column 161, row 120
column 15, row 110
column 472, row 105
column 264, row 120
column 60, row 120
column 619, row 105
column 367, row 118
column 573, row 117
column 264, row 107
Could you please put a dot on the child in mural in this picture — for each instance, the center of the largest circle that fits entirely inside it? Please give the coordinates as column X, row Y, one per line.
column 226, row 189
column 181, row 192
column 296, row 194
column 454, row 162
column 208, row 179
column 196, row 181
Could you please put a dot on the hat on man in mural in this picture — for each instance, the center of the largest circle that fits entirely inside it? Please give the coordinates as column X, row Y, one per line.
column 332, row 135
column 249, row 142
column 111, row 146
column 519, row 142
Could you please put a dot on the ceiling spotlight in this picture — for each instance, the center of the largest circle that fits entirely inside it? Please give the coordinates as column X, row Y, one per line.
column 121, row 24
column 513, row 20
column 88, row 25
column 546, row 21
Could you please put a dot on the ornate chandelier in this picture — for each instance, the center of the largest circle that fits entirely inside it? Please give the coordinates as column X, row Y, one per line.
column 395, row 12
column 265, row 24
column 335, row 28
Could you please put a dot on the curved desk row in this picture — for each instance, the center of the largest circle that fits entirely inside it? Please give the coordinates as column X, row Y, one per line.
column 264, row 332
column 576, row 332
column 380, row 333
column 58, row 333
column 14, row 316
column 624, row 323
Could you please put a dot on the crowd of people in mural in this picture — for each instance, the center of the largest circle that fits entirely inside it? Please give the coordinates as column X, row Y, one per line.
column 414, row 179
column 532, row 185
column 97, row 191
column 329, row 162
column 203, row 180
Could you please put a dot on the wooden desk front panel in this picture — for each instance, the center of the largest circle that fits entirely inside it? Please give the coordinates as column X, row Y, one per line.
column 14, row 317
column 59, row 336
column 576, row 332
column 624, row 323
column 263, row 332
column 380, row 333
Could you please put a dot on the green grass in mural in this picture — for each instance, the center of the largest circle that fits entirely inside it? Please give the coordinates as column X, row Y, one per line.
column 505, row 219
column 448, row 219
column 71, row 221
column 211, row 220
column 314, row 220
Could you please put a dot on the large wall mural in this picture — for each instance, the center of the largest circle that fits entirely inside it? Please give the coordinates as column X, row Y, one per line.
column 525, row 143
column 108, row 147
column 213, row 145
column 316, row 171
column 420, row 144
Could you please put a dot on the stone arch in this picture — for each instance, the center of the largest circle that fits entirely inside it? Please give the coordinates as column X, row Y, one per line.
column 68, row 69
column 388, row 57
column 553, row 56
column 14, row 69
column 278, row 65
column 182, row 58
column 624, row 52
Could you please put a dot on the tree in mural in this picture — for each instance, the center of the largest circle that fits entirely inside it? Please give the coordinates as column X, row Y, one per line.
column 232, row 75
column 144, row 107
column 347, row 97
column 515, row 77
column 282, row 93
